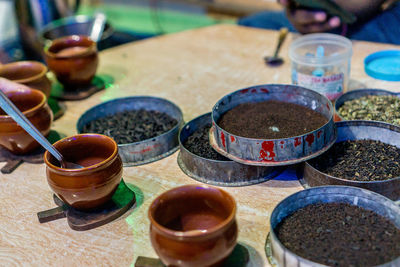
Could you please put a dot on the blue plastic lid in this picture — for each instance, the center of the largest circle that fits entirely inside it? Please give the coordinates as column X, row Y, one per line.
column 383, row 65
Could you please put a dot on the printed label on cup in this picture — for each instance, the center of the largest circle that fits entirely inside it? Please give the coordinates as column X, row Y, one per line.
column 331, row 86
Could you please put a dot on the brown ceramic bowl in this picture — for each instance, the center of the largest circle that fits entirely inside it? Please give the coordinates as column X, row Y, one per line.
column 29, row 73
column 34, row 106
column 92, row 186
column 73, row 59
column 193, row 225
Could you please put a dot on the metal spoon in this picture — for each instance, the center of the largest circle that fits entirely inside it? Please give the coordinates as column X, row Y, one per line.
column 275, row 60
column 22, row 121
column 98, row 27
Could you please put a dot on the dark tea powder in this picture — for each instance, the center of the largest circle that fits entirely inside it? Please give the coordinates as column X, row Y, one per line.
column 271, row 120
column 132, row 126
column 339, row 234
column 199, row 144
column 360, row 160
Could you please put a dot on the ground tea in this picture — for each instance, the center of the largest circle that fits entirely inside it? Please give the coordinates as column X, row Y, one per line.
column 339, row 234
column 132, row 126
column 199, row 144
column 373, row 107
column 360, row 160
column 271, row 120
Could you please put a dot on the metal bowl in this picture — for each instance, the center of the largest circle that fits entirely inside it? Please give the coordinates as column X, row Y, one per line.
column 75, row 25
column 357, row 94
column 281, row 256
column 273, row 152
column 148, row 150
column 218, row 172
column 358, row 130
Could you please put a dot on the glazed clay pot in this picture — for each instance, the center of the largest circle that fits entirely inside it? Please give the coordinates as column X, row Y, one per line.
column 193, row 225
column 34, row 106
column 89, row 187
column 29, row 73
column 73, row 59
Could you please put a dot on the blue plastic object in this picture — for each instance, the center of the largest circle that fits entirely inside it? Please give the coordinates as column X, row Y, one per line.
column 383, row 65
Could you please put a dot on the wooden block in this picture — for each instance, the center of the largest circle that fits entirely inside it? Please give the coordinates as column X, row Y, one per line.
column 148, row 262
column 58, row 91
column 122, row 200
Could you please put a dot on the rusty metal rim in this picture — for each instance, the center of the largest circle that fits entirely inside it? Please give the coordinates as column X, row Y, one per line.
column 149, row 160
column 216, row 183
column 268, row 164
column 305, row 185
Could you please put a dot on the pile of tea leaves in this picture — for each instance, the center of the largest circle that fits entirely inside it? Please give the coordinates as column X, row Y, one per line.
column 198, row 143
column 360, row 160
column 372, row 107
column 132, row 125
column 339, row 234
column 271, row 120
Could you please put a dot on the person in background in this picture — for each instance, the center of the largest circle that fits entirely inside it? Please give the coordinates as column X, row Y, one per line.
column 377, row 20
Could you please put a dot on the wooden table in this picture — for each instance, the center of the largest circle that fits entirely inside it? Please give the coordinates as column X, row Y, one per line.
column 193, row 69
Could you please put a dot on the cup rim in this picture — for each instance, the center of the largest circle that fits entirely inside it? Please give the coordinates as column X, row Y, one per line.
column 192, row 233
column 88, row 168
column 89, row 49
column 24, row 62
column 29, row 111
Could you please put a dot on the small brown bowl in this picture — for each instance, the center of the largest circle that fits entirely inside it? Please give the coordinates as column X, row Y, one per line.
column 193, row 225
column 32, row 103
column 29, row 73
column 73, row 59
column 92, row 186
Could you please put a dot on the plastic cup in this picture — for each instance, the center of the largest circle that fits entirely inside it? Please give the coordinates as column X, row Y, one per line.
column 321, row 62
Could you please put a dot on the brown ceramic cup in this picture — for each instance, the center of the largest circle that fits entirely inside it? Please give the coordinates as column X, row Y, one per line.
column 29, row 73
column 33, row 104
column 73, row 59
column 89, row 187
column 193, row 225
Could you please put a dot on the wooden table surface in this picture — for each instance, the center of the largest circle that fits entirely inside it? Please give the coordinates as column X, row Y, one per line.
column 193, row 69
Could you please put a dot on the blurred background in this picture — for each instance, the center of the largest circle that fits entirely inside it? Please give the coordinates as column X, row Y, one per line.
column 27, row 25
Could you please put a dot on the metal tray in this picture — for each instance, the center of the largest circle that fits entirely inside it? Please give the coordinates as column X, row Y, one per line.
column 273, row 152
column 281, row 256
column 218, row 172
column 358, row 130
column 357, row 94
column 148, row 150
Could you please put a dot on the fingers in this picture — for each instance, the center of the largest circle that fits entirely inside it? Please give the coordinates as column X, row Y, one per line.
column 7, row 85
column 284, row 2
column 306, row 21
column 321, row 27
column 302, row 16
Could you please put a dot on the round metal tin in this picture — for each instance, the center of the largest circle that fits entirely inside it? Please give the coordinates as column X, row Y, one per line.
column 366, row 199
column 355, row 94
column 273, row 152
column 359, row 130
column 218, row 172
column 148, row 150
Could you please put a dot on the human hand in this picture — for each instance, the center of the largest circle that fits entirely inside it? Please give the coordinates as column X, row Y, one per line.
column 7, row 85
column 309, row 21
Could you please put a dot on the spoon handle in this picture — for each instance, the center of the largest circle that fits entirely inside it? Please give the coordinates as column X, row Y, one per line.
column 282, row 36
column 97, row 27
column 22, row 121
